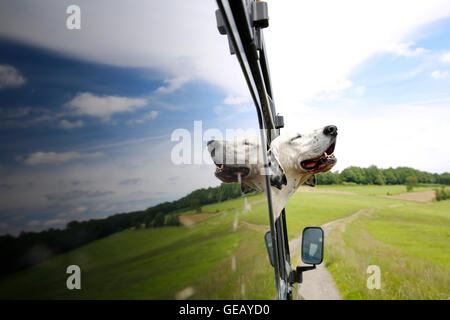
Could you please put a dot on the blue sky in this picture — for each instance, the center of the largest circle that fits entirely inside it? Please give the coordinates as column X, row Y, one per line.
column 86, row 115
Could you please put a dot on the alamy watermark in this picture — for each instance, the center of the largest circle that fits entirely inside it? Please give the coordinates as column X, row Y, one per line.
column 74, row 280
column 374, row 280
column 236, row 146
column 73, row 21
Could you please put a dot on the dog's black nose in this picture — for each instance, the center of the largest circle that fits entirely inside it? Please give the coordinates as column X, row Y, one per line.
column 330, row 131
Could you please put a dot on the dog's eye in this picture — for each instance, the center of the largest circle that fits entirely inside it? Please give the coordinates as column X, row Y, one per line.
column 296, row 137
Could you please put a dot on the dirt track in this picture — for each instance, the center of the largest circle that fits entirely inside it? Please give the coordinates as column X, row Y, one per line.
column 422, row 196
column 322, row 190
column 191, row 219
column 318, row 284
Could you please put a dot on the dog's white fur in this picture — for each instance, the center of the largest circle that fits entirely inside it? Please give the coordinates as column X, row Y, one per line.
column 288, row 149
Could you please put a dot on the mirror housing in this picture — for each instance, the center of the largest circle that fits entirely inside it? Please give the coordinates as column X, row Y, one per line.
column 312, row 245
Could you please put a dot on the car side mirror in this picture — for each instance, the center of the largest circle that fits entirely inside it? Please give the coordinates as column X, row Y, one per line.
column 312, row 245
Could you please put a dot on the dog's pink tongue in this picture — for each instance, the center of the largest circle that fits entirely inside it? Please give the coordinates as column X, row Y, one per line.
column 311, row 164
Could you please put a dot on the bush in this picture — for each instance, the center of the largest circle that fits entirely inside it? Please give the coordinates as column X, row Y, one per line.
column 172, row 220
column 442, row 194
column 159, row 220
column 196, row 205
column 411, row 182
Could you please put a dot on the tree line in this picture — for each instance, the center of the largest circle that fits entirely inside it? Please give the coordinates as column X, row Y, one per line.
column 374, row 175
column 29, row 248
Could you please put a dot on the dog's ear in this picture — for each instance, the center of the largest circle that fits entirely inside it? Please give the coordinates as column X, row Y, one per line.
column 277, row 175
column 311, row 181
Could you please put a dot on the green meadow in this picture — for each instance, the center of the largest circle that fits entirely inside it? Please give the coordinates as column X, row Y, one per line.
column 376, row 190
column 410, row 244
column 224, row 257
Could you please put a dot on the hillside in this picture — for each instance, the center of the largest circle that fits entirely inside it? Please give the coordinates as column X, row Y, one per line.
column 225, row 257
column 30, row 248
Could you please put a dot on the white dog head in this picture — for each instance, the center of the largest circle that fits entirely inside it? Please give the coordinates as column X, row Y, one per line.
column 306, row 152
column 293, row 160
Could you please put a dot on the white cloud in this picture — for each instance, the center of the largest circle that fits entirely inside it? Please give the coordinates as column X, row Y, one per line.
column 10, row 77
column 446, row 57
column 55, row 158
column 172, row 85
column 404, row 49
column 235, row 106
column 438, row 74
column 338, row 85
column 231, row 99
column 152, row 115
column 103, row 107
column 64, row 124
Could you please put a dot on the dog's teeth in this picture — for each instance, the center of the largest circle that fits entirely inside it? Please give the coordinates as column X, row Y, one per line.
column 325, row 154
column 221, row 167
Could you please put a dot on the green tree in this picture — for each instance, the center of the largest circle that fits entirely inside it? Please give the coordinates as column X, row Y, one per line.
column 328, row 178
column 444, row 178
column 374, row 176
column 159, row 220
column 411, row 182
column 172, row 220
column 389, row 175
column 219, row 195
column 196, row 205
column 349, row 175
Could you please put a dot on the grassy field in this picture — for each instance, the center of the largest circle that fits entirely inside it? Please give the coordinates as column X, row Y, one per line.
column 225, row 205
column 409, row 243
column 373, row 190
column 224, row 257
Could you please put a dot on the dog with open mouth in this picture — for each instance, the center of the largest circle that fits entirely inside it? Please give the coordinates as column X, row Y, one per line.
column 293, row 159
